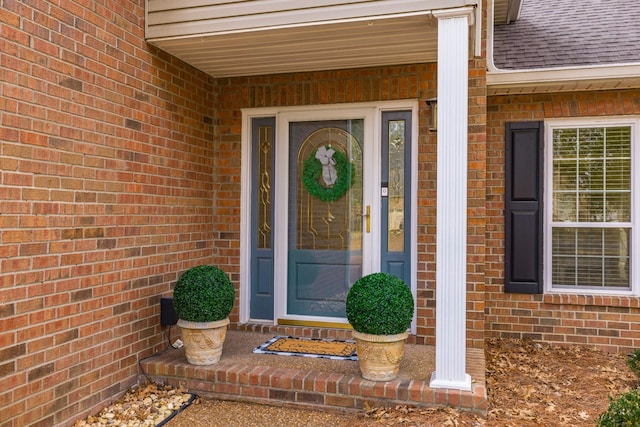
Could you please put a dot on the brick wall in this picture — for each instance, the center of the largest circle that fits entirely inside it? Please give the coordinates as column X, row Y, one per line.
column 118, row 172
column 612, row 323
column 369, row 85
column 106, row 165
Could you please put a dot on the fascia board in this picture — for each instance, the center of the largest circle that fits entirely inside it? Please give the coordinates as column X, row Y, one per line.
column 542, row 76
column 189, row 22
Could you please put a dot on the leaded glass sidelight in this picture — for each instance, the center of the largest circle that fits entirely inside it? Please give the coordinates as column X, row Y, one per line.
column 264, row 208
column 396, row 190
column 262, row 218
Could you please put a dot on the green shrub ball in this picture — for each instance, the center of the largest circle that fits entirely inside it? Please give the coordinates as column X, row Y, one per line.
column 380, row 304
column 203, row 294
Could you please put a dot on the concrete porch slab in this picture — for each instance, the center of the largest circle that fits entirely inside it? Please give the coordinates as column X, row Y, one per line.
column 323, row 384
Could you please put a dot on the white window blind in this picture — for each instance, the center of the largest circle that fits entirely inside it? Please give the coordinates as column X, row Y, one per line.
column 591, row 212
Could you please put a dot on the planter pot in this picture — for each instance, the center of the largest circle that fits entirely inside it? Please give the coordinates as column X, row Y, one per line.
column 380, row 355
column 203, row 340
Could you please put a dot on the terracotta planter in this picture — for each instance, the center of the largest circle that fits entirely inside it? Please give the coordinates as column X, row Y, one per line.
column 203, row 340
column 380, row 355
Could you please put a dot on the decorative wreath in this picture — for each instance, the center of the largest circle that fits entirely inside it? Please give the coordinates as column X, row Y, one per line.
column 312, row 169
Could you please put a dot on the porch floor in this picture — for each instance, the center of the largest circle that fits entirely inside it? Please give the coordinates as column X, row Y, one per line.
column 336, row 385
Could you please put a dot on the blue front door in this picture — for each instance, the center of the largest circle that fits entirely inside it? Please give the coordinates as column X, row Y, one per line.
column 331, row 202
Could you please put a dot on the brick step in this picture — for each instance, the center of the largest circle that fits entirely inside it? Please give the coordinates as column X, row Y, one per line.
column 308, row 382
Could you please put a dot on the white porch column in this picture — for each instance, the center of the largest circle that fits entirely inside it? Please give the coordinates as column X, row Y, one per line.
column 451, row 234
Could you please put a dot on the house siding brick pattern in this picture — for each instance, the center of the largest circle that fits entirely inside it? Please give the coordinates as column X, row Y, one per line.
column 106, row 189
column 368, row 85
column 120, row 168
column 612, row 323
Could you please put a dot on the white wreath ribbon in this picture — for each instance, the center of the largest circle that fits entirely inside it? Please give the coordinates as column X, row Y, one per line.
column 329, row 173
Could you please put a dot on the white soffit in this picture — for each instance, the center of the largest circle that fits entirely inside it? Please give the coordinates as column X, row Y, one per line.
column 241, row 38
column 323, row 47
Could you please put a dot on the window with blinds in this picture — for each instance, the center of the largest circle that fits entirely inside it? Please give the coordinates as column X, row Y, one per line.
column 590, row 218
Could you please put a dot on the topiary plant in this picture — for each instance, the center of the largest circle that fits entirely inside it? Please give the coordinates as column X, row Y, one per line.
column 633, row 362
column 380, row 304
column 203, row 294
column 624, row 411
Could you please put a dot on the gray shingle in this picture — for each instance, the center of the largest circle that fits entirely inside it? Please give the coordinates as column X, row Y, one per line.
column 560, row 33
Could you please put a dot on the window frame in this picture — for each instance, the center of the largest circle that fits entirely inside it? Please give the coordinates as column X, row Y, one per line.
column 634, row 258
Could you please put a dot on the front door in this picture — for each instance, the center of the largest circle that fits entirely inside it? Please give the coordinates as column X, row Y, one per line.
column 339, row 206
column 326, row 216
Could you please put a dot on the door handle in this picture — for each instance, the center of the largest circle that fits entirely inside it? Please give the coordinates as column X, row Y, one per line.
column 367, row 215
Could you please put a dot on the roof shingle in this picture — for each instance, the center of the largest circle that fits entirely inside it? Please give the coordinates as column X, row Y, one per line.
column 561, row 33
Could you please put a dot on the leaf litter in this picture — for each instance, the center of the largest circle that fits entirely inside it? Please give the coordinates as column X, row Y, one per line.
column 534, row 384
column 529, row 384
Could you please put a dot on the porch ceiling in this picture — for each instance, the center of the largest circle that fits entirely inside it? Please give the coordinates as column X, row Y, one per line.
column 319, row 47
column 240, row 38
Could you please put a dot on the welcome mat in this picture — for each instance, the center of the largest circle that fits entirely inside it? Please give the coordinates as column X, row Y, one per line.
column 309, row 347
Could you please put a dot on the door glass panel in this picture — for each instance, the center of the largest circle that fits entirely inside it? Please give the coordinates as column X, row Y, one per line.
column 395, row 202
column 395, row 213
column 262, row 236
column 265, row 156
column 324, row 221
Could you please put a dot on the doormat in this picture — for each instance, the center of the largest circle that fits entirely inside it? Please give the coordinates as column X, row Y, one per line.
column 309, row 347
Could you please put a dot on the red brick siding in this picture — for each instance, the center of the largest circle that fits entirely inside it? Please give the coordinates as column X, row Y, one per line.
column 366, row 85
column 612, row 323
column 106, row 165
column 120, row 168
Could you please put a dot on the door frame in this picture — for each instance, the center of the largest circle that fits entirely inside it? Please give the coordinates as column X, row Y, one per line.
column 284, row 115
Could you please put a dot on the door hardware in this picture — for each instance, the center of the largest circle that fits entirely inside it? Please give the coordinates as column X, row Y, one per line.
column 367, row 215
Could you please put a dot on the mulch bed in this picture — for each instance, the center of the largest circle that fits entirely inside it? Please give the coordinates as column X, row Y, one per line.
column 531, row 384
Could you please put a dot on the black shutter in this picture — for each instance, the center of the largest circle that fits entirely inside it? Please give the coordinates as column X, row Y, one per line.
column 523, row 207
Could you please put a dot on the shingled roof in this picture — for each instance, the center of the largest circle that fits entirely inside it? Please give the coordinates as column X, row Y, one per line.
column 562, row 33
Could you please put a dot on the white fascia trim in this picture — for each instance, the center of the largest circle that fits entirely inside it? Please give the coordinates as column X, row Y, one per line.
column 203, row 36
column 497, row 77
column 522, row 78
column 323, row 19
column 379, row 15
